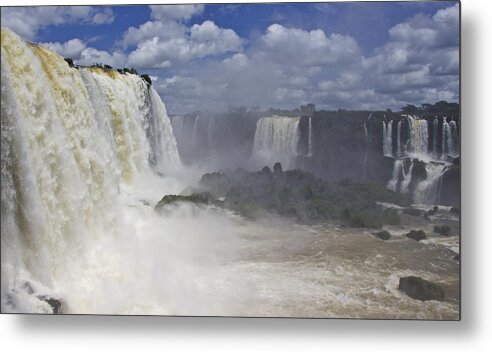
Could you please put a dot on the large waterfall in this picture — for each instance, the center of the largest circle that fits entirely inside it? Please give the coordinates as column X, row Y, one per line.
column 74, row 141
column 276, row 140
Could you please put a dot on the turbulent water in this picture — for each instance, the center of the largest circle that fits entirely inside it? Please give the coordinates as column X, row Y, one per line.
column 276, row 140
column 72, row 141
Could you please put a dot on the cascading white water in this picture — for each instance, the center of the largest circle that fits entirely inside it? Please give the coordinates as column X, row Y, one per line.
column 446, row 131
column 419, row 135
column 73, row 141
column 435, row 124
column 453, row 139
column 177, row 123
column 428, row 190
column 368, row 146
column 164, row 152
column 399, row 147
column 366, row 131
column 195, row 134
column 449, row 138
column 418, row 147
column 310, row 138
column 276, row 140
column 401, row 176
column 395, row 178
column 388, row 138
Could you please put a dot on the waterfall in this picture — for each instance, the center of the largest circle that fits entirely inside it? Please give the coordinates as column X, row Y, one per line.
column 276, row 139
column 366, row 131
column 420, row 147
column 401, row 177
column 160, row 135
column 428, row 190
column 195, row 134
column 178, row 125
column 71, row 140
column 388, row 138
column 393, row 183
column 419, row 135
column 435, row 124
column 453, row 139
column 367, row 134
column 310, row 138
column 399, row 150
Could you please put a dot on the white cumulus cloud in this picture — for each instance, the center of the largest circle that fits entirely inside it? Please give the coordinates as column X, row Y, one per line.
column 26, row 21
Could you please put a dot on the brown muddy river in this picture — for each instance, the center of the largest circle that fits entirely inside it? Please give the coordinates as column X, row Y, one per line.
column 328, row 271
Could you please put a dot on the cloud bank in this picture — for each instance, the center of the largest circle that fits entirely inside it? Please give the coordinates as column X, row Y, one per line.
column 201, row 65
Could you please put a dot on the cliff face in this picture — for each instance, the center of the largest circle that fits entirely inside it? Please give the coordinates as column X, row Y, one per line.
column 450, row 188
column 407, row 153
column 345, row 144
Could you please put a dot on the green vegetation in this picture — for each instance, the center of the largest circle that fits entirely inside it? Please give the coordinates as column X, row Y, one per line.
column 196, row 198
column 391, row 217
column 69, row 62
column 412, row 212
column 440, row 108
column 301, row 195
column 147, row 79
column 417, row 235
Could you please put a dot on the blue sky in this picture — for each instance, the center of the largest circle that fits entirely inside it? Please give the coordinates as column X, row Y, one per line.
column 371, row 55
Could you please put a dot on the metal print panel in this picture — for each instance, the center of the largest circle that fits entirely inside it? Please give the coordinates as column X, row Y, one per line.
column 248, row 160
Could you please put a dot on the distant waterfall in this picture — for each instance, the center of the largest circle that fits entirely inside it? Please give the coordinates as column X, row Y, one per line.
column 427, row 191
column 71, row 140
column 367, row 133
column 401, row 177
column 435, row 124
column 366, row 130
column 419, row 135
column 310, row 138
column 276, row 139
column 450, row 138
column 399, row 148
column 428, row 141
column 453, row 140
column 178, row 124
column 388, row 138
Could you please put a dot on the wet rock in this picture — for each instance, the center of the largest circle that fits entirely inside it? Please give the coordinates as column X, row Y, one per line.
column 450, row 186
column 266, row 170
column 391, row 217
column 277, row 168
column 418, row 288
column 412, row 212
column 56, row 304
column 417, row 235
column 27, row 287
column 444, row 230
column 455, row 210
column 384, row 235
